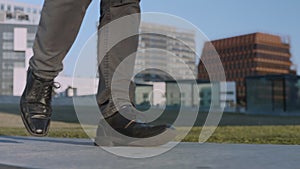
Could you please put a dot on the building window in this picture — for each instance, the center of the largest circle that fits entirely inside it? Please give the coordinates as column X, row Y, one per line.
column 13, row 55
column 6, row 85
column 8, row 36
column 2, row 7
column 145, row 96
column 7, row 75
column 29, row 44
column 5, row 93
column 7, row 46
column 9, row 8
column 18, row 8
column 19, row 64
column 23, row 17
column 7, row 55
column 31, row 36
column 7, row 66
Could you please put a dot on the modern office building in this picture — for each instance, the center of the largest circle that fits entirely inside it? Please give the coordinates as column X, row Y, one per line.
column 248, row 55
column 18, row 25
column 165, row 48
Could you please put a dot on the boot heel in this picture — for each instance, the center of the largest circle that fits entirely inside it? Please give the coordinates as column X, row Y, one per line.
column 102, row 139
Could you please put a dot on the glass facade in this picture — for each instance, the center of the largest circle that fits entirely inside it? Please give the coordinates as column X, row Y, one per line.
column 273, row 94
column 293, row 95
column 190, row 94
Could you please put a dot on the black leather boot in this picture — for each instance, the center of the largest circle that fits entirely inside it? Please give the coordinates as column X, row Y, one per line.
column 117, row 130
column 35, row 104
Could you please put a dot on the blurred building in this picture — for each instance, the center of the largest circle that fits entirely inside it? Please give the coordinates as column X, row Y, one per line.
column 248, row 55
column 204, row 94
column 187, row 94
column 12, row 12
column 273, row 94
column 18, row 25
column 69, row 86
column 166, row 48
column 150, row 93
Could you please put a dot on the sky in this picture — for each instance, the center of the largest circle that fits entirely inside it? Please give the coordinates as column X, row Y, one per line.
column 215, row 18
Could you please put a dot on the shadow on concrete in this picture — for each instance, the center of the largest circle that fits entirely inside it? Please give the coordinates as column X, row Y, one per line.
column 9, row 141
column 4, row 166
column 16, row 139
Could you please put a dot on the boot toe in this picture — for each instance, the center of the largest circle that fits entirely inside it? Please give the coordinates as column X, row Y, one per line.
column 39, row 127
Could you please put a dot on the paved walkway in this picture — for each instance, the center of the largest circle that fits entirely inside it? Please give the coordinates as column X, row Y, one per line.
column 29, row 152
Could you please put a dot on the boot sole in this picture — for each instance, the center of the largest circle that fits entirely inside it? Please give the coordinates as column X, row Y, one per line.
column 109, row 141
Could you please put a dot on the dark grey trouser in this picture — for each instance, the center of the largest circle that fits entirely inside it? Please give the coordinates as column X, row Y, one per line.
column 58, row 28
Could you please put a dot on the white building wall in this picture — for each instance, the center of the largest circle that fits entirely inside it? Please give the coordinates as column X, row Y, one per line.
column 228, row 97
column 159, row 94
column 28, row 55
column 19, row 80
column 20, row 39
column 84, row 86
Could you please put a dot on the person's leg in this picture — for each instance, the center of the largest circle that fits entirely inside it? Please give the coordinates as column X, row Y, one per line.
column 57, row 30
column 121, row 125
column 112, row 27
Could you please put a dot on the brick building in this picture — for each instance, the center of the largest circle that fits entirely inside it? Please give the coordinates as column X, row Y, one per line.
column 247, row 55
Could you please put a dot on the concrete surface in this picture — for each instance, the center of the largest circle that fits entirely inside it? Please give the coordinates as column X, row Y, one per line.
column 29, row 152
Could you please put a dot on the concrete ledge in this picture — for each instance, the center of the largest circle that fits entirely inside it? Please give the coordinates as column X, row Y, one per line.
column 60, row 101
column 29, row 152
